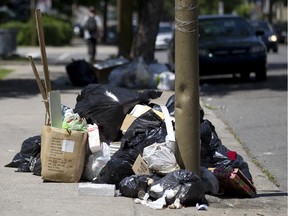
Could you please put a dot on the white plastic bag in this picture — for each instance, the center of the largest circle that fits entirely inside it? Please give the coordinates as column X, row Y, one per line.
column 160, row 158
column 95, row 162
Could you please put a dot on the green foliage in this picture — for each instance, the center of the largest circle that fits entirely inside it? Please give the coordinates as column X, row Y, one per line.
column 211, row 6
column 168, row 13
column 207, row 7
column 244, row 10
column 57, row 32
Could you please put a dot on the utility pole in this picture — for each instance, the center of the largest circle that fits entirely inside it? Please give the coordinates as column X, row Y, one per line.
column 187, row 113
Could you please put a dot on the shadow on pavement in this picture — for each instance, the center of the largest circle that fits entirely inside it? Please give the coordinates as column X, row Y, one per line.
column 272, row 194
column 22, row 88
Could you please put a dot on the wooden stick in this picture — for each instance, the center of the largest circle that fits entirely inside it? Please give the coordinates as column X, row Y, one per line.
column 43, row 51
column 42, row 90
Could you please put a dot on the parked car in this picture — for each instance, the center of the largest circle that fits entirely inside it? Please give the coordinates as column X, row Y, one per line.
column 281, row 31
column 164, row 36
column 228, row 45
column 269, row 37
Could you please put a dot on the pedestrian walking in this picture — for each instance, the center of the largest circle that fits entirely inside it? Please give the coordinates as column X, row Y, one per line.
column 92, row 32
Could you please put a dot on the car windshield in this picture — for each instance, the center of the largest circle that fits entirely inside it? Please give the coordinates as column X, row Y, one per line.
column 224, row 28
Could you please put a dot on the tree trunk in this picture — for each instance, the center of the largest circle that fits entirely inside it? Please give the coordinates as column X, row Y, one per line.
column 143, row 44
column 105, row 9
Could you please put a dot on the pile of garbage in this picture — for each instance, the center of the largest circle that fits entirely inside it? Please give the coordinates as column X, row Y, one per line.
column 121, row 72
column 123, row 126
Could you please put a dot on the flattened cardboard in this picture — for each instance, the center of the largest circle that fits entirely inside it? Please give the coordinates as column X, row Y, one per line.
column 135, row 113
column 140, row 167
column 62, row 154
column 128, row 120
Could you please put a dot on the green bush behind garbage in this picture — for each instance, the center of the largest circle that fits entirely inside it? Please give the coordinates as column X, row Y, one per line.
column 57, row 31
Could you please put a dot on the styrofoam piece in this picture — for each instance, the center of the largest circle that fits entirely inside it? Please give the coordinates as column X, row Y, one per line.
column 92, row 189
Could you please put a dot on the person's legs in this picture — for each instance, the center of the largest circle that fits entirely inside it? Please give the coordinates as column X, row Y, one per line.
column 91, row 43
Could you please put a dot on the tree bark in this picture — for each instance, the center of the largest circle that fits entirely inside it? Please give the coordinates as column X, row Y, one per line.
column 143, row 44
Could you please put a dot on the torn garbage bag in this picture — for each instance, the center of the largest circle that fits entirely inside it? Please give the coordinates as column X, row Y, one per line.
column 107, row 106
column 147, row 129
column 186, row 186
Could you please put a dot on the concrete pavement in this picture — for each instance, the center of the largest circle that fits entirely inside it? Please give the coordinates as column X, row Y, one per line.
column 22, row 115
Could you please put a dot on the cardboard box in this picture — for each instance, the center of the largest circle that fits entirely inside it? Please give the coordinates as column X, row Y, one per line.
column 233, row 181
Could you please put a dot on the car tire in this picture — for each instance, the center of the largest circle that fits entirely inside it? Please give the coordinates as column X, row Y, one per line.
column 275, row 50
column 261, row 74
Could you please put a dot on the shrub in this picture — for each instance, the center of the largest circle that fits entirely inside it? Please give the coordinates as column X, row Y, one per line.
column 57, row 32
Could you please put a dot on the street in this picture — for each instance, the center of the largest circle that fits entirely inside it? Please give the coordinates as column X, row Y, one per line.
column 256, row 112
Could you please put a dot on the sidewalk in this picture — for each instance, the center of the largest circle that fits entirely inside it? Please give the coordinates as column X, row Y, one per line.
column 22, row 113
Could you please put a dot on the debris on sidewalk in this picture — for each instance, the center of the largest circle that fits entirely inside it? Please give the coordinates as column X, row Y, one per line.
column 83, row 149
column 223, row 171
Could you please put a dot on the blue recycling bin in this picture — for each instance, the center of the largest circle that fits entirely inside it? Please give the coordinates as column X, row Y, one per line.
column 8, row 41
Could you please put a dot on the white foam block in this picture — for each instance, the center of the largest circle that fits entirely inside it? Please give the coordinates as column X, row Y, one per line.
column 91, row 189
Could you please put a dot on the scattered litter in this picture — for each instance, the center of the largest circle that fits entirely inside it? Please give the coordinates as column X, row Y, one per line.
column 201, row 206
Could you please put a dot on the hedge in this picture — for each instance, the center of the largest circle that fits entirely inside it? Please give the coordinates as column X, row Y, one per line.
column 57, row 31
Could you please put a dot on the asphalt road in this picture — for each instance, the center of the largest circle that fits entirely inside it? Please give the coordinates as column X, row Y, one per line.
column 256, row 112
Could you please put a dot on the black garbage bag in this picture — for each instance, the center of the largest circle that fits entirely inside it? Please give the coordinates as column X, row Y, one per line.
column 207, row 136
column 170, row 104
column 210, row 181
column 81, row 73
column 35, row 165
column 22, row 159
column 227, row 159
column 215, row 155
column 144, row 131
column 186, row 185
column 35, row 160
column 107, row 106
column 132, row 185
column 116, row 169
